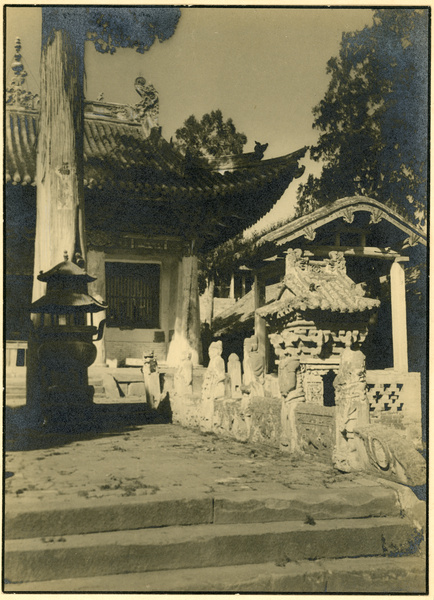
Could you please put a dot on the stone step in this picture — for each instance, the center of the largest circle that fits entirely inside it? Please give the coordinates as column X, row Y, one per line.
column 181, row 547
column 112, row 514
column 15, row 383
column 18, row 393
column 349, row 575
column 17, row 390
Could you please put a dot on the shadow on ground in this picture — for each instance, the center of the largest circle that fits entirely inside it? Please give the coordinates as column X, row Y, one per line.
column 29, row 429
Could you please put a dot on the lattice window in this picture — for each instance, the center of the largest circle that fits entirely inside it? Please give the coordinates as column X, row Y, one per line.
column 133, row 295
column 385, row 397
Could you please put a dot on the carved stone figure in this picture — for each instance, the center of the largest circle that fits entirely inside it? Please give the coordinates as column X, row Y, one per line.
column 287, row 374
column 234, row 371
column 184, row 376
column 352, row 407
column 292, row 394
column 148, row 108
column 214, row 381
column 151, row 379
column 254, row 367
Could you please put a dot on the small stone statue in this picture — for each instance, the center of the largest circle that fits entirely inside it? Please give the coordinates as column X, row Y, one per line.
column 151, row 379
column 352, row 406
column 214, row 381
column 184, row 375
column 292, row 395
column 254, row 368
column 234, row 371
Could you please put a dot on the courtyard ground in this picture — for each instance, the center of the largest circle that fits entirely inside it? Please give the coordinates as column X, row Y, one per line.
column 125, row 468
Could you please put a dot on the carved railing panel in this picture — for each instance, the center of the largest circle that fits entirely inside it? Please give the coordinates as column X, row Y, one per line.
column 394, row 397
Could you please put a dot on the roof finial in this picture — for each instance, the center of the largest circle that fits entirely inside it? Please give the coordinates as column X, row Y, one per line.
column 17, row 66
column 65, row 256
column 16, row 95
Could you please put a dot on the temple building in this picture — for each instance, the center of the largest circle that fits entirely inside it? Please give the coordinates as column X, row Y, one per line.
column 148, row 211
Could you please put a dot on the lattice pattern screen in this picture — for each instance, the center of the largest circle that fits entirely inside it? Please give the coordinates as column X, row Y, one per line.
column 385, row 397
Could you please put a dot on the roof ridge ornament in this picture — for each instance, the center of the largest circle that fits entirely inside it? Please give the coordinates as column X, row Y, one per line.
column 146, row 112
column 148, row 109
column 16, row 95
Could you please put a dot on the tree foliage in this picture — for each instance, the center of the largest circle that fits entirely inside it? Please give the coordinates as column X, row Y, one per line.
column 111, row 27
column 373, row 118
column 209, row 138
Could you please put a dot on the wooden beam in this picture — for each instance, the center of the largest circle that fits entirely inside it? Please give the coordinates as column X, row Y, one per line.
column 368, row 251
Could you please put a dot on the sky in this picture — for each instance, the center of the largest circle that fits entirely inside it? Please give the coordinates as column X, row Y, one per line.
column 263, row 67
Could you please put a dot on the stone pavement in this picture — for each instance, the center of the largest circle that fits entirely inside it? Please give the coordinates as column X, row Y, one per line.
column 161, row 476
column 156, row 460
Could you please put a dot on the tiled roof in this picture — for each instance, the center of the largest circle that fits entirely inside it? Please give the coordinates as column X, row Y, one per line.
column 241, row 314
column 117, row 154
column 120, row 160
column 318, row 285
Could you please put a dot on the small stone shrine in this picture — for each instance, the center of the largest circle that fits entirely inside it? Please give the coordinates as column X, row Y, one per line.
column 318, row 305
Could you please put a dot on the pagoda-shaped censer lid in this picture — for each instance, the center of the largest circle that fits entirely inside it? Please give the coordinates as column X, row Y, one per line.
column 66, row 290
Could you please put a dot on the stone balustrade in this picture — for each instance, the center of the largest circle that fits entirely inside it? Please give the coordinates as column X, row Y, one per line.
column 395, row 400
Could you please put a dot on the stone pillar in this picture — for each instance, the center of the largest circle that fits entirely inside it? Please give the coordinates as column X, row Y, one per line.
column 207, row 302
column 232, row 287
column 399, row 317
column 186, row 336
column 260, row 323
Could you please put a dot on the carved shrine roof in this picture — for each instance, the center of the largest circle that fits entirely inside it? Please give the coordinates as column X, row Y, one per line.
column 317, row 285
column 307, row 286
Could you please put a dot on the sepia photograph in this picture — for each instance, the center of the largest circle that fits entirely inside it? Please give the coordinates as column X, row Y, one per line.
column 215, row 239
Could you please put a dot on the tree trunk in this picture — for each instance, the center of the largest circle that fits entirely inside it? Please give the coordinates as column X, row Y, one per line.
column 186, row 338
column 59, row 169
column 59, row 174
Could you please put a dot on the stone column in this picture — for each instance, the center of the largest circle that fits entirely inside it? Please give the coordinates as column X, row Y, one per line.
column 260, row 323
column 186, row 338
column 232, row 287
column 399, row 317
column 243, row 285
